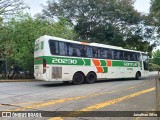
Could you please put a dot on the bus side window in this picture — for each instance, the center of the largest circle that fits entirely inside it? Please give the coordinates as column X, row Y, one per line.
column 138, row 58
column 126, row 55
column 83, row 51
column 129, row 56
column 74, row 53
column 78, row 50
column 120, row 55
column 116, row 54
column 133, row 57
column 110, row 54
column 62, row 48
column 53, row 47
column 70, row 49
column 103, row 53
column 95, row 52
column 74, row 49
column 89, row 52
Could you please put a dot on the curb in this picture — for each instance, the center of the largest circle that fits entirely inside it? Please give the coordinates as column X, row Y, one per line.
column 20, row 80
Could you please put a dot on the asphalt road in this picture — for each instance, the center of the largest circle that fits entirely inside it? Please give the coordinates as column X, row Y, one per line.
column 106, row 95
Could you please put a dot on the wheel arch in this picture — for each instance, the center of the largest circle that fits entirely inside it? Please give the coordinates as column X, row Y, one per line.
column 92, row 72
column 79, row 72
column 139, row 73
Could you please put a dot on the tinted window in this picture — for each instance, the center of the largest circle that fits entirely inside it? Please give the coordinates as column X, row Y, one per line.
column 89, row 51
column 74, row 49
column 133, row 56
column 103, row 53
column 95, row 52
column 110, row 54
column 127, row 55
column 83, row 51
column 118, row 55
column 53, row 47
column 138, row 57
column 78, row 50
column 62, row 48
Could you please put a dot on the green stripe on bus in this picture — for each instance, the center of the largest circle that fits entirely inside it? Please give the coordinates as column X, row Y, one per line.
column 117, row 63
column 105, row 69
column 64, row 61
column 81, row 61
column 87, row 62
column 103, row 62
column 124, row 64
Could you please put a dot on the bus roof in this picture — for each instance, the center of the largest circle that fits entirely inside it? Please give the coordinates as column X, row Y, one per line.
column 47, row 37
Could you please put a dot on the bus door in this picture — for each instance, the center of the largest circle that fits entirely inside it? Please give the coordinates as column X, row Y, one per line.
column 145, row 64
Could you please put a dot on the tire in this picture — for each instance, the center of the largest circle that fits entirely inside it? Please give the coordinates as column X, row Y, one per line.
column 137, row 76
column 91, row 77
column 78, row 78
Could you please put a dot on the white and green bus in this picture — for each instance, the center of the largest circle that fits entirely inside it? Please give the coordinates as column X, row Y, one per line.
column 57, row 59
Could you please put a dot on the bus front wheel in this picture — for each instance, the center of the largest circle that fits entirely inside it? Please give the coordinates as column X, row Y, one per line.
column 137, row 76
column 91, row 77
column 78, row 78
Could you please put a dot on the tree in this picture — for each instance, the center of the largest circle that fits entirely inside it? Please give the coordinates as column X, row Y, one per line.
column 20, row 34
column 10, row 7
column 112, row 22
column 155, row 13
column 155, row 8
column 156, row 57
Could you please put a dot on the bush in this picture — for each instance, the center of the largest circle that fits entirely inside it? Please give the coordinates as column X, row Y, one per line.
column 153, row 67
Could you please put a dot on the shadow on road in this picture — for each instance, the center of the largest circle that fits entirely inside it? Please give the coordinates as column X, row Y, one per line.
column 60, row 84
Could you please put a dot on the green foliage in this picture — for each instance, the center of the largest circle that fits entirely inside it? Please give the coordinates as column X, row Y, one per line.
column 20, row 34
column 155, row 13
column 155, row 8
column 156, row 57
column 114, row 22
column 11, row 7
column 153, row 67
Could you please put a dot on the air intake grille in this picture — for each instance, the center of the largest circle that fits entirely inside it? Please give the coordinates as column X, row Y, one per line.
column 56, row 72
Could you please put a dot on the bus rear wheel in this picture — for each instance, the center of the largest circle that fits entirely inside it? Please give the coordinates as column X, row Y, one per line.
column 91, row 77
column 78, row 78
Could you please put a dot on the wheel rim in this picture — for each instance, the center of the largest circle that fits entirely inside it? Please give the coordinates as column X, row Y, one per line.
column 78, row 78
column 91, row 77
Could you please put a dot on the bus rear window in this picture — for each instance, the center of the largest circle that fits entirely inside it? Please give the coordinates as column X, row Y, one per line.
column 39, row 46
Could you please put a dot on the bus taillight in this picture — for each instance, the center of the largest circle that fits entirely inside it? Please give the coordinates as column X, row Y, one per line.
column 44, row 65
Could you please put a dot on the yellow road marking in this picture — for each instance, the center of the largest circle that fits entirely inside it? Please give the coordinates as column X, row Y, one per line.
column 24, row 103
column 38, row 105
column 104, row 104
column 47, row 103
